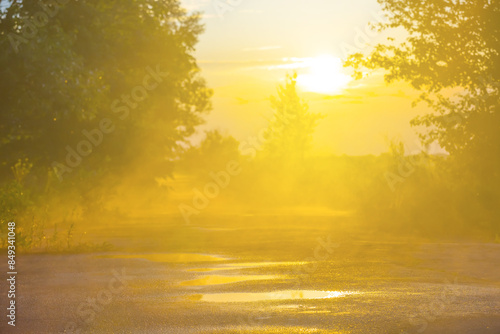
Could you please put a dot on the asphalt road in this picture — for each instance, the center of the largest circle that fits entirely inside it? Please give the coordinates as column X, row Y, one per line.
column 241, row 278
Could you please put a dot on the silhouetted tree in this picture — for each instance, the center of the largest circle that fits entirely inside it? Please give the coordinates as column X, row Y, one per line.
column 212, row 154
column 450, row 44
column 290, row 131
column 65, row 68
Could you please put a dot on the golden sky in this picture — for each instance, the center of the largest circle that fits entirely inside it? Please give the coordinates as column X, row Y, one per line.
column 249, row 46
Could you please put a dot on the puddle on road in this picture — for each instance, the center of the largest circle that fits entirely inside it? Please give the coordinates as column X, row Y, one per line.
column 169, row 257
column 192, row 258
column 245, row 297
column 260, row 264
column 228, row 279
column 216, row 280
column 204, row 270
column 244, row 265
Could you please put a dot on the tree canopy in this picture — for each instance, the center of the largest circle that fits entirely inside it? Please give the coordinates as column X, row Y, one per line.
column 450, row 52
column 68, row 65
column 290, row 131
column 448, row 44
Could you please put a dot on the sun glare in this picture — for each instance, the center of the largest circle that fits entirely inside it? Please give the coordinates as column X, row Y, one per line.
column 325, row 75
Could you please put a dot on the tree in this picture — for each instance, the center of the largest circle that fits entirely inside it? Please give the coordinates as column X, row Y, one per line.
column 289, row 134
column 67, row 66
column 212, row 154
column 450, row 45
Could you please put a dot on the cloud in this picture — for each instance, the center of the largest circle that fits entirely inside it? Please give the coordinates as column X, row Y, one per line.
column 263, row 48
column 292, row 63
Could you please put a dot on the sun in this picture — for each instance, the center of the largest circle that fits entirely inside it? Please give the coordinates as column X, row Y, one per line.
column 325, row 75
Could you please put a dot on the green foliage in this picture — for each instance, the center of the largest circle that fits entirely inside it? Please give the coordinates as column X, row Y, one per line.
column 212, row 154
column 15, row 201
column 451, row 46
column 14, row 197
column 63, row 78
column 66, row 78
column 289, row 134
